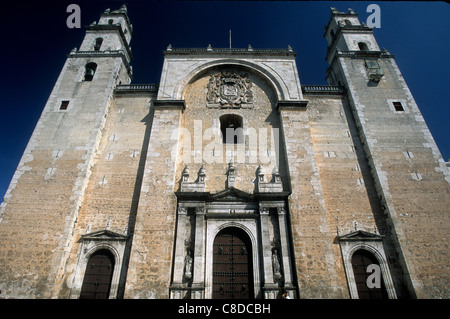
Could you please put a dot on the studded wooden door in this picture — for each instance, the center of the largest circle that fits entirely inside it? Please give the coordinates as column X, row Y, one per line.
column 232, row 265
column 98, row 276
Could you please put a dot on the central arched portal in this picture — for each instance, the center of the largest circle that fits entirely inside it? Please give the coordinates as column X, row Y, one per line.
column 232, row 265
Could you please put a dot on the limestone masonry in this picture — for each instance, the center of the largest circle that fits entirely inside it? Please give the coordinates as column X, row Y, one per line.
column 228, row 179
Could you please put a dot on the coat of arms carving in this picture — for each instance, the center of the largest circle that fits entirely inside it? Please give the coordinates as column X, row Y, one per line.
column 229, row 90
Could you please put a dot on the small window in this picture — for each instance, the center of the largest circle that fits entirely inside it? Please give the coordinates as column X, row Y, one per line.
column 363, row 46
column 347, row 22
column 90, row 71
column 110, row 21
column 98, row 44
column 398, row 107
column 64, row 105
column 231, row 128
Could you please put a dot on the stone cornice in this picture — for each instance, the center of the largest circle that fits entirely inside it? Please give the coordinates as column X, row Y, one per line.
column 323, row 89
column 103, row 54
column 232, row 51
column 230, row 193
column 292, row 105
column 169, row 104
column 136, row 89
column 383, row 54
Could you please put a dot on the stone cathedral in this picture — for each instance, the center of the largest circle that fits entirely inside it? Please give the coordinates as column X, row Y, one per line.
column 228, row 179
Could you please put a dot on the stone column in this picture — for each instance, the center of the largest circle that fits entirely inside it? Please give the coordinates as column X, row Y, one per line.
column 180, row 250
column 270, row 288
column 285, row 251
column 198, row 284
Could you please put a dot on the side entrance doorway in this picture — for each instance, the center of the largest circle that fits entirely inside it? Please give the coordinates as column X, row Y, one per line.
column 98, row 276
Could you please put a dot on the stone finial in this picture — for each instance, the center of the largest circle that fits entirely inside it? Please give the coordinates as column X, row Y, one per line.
column 260, row 174
column 201, row 174
column 231, row 178
column 231, row 164
column 185, row 173
column 123, row 8
column 169, row 47
column 197, row 186
column 276, row 175
column 274, row 186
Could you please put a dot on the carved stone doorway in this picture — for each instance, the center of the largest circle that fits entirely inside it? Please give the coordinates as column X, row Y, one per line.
column 232, row 265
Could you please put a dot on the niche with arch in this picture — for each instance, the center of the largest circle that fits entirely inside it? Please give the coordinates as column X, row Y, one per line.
column 90, row 69
column 232, row 129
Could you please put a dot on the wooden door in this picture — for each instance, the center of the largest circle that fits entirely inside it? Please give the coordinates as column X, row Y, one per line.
column 361, row 259
column 98, row 276
column 232, row 265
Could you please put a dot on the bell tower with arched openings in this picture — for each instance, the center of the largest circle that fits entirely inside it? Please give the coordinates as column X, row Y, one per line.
column 396, row 147
column 62, row 151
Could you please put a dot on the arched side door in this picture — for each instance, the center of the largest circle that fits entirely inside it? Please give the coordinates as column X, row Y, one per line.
column 361, row 260
column 98, row 275
column 232, row 265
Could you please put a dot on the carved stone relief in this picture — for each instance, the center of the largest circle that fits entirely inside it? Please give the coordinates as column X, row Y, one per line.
column 229, row 90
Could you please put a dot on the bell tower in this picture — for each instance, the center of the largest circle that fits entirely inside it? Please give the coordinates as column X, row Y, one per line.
column 55, row 168
column 346, row 33
column 112, row 33
column 397, row 147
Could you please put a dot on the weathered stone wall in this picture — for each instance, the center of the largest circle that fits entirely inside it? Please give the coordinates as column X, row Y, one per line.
column 153, row 239
column 113, row 191
column 322, row 166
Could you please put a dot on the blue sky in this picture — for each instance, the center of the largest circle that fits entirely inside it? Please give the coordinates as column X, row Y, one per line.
column 36, row 40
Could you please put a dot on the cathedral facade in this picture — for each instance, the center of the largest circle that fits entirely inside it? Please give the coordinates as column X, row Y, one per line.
column 228, row 179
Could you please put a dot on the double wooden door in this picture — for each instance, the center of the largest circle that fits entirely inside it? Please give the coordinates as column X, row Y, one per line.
column 232, row 265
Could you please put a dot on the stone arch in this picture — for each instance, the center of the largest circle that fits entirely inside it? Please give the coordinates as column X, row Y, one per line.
column 104, row 246
column 242, row 226
column 191, row 74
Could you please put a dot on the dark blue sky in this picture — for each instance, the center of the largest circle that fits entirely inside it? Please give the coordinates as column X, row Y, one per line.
column 36, row 40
